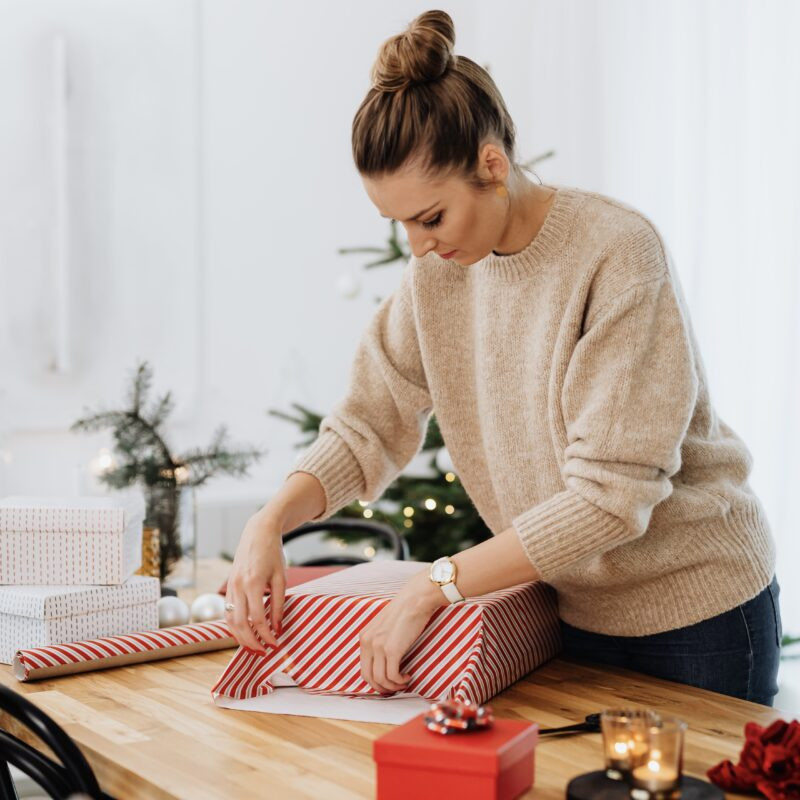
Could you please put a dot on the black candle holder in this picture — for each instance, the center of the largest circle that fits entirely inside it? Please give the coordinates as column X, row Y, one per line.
column 598, row 786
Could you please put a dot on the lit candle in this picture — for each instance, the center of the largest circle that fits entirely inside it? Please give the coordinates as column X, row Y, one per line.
column 655, row 777
column 624, row 740
column 626, row 753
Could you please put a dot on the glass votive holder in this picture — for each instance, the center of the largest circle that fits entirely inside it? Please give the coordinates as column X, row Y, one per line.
column 658, row 777
column 624, row 739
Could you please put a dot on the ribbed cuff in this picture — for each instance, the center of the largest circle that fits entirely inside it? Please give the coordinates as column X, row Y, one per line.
column 564, row 530
column 333, row 464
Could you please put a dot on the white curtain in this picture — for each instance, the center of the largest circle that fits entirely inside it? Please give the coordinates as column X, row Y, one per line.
column 690, row 111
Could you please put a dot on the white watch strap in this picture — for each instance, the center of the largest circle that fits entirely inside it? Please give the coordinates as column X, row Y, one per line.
column 451, row 592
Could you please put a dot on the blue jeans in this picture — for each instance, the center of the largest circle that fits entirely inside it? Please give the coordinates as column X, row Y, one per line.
column 735, row 653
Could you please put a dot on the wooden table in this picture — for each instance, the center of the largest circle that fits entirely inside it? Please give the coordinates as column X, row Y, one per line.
column 152, row 731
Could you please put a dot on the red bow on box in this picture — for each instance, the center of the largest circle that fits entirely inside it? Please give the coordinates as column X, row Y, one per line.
column 769, row 762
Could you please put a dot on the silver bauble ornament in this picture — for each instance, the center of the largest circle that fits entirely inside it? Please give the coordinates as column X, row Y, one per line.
column 172, row 611
column 348, row 285
column 208, row 607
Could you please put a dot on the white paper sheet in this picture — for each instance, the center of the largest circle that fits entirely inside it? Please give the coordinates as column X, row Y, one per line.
column 288, row 698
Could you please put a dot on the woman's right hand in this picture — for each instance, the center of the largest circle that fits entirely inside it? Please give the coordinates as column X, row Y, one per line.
column 258, row 564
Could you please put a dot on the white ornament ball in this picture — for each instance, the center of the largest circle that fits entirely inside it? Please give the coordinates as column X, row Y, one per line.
column 208, row 607
column 443, row 460
column 420, row 467
column 172, row 611
column 348, row 285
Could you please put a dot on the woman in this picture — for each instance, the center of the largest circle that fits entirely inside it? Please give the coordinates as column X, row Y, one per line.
column 545, row 327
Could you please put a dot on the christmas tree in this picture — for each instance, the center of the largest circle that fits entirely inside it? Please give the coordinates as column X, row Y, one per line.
column 431, row 510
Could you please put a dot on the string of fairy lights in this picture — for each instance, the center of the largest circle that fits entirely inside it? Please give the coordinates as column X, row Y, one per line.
column 429, row 504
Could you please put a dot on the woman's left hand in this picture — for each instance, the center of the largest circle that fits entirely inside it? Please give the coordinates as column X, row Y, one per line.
column 388, row 637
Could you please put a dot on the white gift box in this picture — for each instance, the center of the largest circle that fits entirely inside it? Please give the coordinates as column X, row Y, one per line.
column 72, row 540
column 35, row 616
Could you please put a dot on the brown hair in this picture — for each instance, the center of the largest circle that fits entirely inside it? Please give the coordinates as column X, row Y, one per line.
column 430, row 105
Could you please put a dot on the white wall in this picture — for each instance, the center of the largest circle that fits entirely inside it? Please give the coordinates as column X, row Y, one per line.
column 213, row 184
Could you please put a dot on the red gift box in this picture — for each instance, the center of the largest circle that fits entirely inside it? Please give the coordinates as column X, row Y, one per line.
column 495, row 763
column 294, row 577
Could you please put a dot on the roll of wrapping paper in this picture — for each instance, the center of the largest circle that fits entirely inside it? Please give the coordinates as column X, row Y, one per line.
column 116, row 651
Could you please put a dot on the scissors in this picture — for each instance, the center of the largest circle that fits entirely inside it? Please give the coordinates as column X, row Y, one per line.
column 591, row 724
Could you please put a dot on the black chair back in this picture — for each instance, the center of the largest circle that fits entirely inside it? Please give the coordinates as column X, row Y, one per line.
column 60, row 780
column 387, row 533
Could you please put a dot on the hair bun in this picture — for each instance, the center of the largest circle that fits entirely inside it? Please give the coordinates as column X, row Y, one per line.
column 420, row 54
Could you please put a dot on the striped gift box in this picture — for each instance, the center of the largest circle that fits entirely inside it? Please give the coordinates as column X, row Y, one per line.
column 467, row 651
column 115, row 651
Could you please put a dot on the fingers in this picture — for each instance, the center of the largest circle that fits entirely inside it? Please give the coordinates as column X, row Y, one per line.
column 276, row 599
column 258, row 619
column 380, row 667
column 393, row 672
column 385, row 671
column 237, row 621
column 246, row 596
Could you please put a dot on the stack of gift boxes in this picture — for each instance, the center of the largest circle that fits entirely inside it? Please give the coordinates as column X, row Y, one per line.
column 67, row 571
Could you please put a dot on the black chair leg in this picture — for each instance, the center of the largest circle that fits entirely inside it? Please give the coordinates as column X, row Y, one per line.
column 8, row 791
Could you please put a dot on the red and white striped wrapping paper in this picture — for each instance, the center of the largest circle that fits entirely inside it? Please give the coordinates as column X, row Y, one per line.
column 467, row 651
column 116, row 651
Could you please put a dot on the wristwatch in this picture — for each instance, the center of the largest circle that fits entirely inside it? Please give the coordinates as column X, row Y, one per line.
column 443, row 574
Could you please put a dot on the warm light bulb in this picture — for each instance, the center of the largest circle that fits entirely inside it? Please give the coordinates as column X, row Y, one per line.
column 363, row 503
column 369, row 551
column 449, row 509
column 102, row 462
column 450, row 477
column 367, row 512
column 430, row 504
column 408, row 511
column 408, row 523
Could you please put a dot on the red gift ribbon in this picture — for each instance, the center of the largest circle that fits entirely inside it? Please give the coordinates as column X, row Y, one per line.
column 455, row 716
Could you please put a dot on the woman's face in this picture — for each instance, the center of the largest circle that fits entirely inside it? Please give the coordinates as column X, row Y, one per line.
column 444, row 216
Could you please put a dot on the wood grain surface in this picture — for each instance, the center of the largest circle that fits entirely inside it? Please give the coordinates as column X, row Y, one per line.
column 152, row 731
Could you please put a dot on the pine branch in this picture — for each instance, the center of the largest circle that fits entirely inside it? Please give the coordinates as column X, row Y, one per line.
column 143, row 378
column 138, row 439
column 394, row 250
column 308, row 422
column 203, row 464
column 533, row 161
column 160, row 410
column 99, row 420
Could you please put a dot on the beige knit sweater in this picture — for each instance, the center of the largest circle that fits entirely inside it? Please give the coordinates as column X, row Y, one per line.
column 572, row 398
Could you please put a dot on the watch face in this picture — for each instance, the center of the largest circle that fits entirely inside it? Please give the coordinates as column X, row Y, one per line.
column 442, row 571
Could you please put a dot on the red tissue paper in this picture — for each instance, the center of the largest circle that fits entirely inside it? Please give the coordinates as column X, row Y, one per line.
column 769, row 762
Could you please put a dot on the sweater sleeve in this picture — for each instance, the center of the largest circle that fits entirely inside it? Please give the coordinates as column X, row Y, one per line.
column 380, row 423
column 628, row 396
